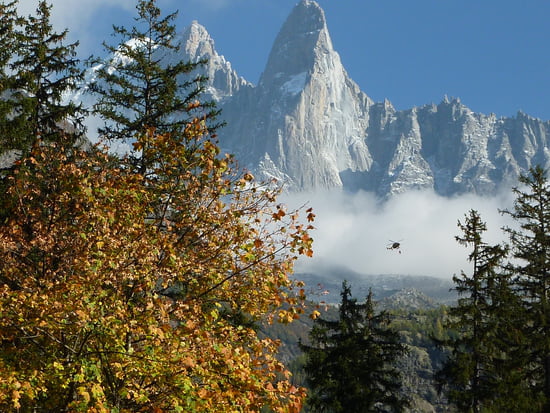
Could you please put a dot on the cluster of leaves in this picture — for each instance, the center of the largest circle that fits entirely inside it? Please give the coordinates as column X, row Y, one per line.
column 133, row 283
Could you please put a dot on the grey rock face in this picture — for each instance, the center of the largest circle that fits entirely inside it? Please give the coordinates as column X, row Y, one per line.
column 306, row 119
column 308, row 124
column 195, row 45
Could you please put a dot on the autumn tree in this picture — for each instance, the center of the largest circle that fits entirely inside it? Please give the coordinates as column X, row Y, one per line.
column 141, row 88
column 531, row 266
column 480, row 372
column 44, row 69
column 107, row 305
column 350, row 362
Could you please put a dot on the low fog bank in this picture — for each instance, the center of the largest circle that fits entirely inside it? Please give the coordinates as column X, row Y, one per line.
column 354, row 231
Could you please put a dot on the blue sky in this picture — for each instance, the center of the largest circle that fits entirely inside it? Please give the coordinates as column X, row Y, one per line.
column 492, row 54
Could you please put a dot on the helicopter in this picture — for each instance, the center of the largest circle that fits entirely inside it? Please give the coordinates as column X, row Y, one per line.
column 394, row 245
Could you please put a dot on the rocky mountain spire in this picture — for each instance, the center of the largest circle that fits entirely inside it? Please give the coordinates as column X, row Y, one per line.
column 197, row 44
column 306, row 117
column 298, row 43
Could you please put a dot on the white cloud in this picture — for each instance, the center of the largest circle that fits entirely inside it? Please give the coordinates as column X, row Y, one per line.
column 70, row 13
column 354, row 230
column 90, row 21
column 86, row 20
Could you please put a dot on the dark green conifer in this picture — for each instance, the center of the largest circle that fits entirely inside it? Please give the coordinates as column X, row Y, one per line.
column 139, row 89
column 531, row 267
column 481, row 369
column 351, row 362
column 44, row 70
column 9, row 20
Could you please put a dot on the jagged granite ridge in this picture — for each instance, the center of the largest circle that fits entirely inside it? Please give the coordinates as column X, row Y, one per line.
column 308, row 124
column 195, row 45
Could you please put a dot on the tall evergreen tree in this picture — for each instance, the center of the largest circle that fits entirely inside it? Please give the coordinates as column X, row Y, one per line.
column 44, row 69
column 531, row 266
column 140, row 89
column 509, row 384
column 350, row 363
column 480, row 369
column 9, row 20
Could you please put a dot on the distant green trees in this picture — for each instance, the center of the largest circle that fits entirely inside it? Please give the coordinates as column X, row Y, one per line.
column 350, row 362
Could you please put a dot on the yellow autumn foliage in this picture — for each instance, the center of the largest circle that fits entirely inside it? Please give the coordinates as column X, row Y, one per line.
column 133, row 292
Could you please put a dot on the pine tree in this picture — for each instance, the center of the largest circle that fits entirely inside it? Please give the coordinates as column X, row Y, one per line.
column 350, row 363
column 531, row 267
column 44, row 70
column 9, row 20
column 480, row 372
column 138, row 89
column 510, row 384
